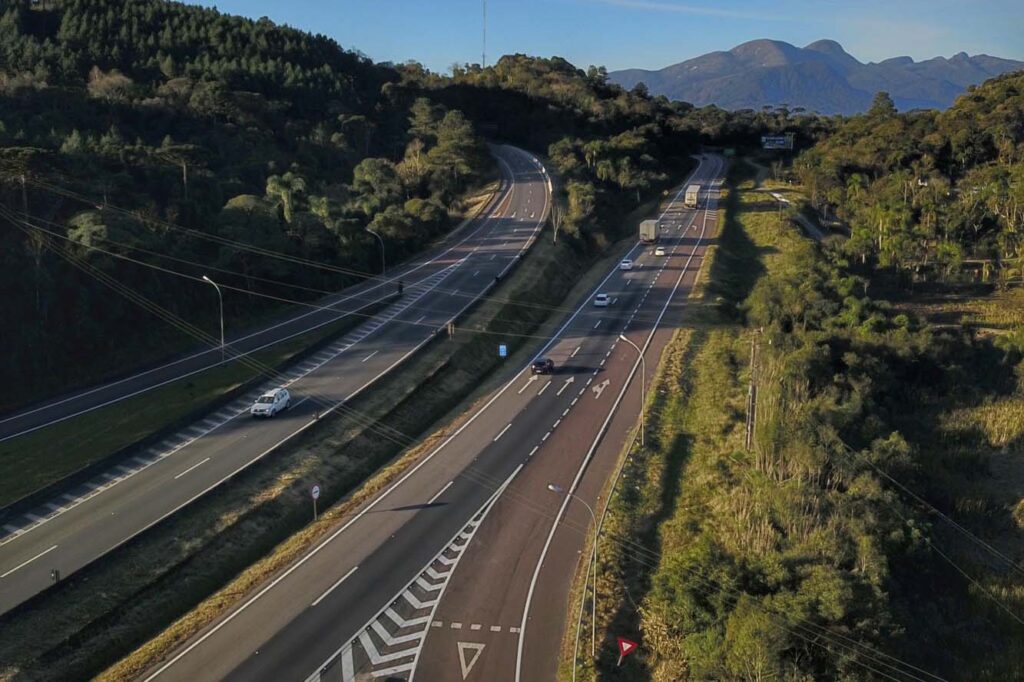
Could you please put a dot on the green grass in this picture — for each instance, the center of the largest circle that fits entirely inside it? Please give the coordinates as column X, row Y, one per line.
column 188, row 570
column 33, row 461
column 751, row 244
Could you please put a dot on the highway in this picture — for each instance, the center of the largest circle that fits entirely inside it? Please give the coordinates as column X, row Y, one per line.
column 95, row 517
column 439, row 576
column 318, row 314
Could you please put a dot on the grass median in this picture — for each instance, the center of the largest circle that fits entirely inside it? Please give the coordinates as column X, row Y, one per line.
column 189, row 569
column 38, row 459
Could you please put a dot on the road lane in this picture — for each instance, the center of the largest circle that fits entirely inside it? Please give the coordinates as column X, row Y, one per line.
column 520, row 547
column 318, row 314
column 395, row 537
column 118, row 504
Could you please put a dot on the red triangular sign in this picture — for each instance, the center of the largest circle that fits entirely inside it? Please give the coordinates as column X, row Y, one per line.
column 626, row 646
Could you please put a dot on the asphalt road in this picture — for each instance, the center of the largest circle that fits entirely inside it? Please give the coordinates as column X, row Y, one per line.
column 86, row 522
column 435, row 571
column 317, row 314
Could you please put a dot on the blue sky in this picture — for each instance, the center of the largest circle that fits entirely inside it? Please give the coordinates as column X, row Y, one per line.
column 646, row 33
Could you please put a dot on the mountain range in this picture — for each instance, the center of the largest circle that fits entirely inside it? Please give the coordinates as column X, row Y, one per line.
column 821, row 77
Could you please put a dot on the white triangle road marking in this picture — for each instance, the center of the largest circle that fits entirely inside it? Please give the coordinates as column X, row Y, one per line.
column 475, row 648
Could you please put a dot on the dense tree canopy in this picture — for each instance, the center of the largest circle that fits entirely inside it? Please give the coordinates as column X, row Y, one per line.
column 926, row 191
column 132, row 122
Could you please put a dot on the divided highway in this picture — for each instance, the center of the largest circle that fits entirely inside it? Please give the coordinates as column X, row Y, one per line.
column 90, row 520
column 440, row 576
column 320, row 313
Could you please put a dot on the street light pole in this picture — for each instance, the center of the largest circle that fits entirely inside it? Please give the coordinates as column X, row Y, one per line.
column 383, row 263
column 593, row 603
column 220, row 300
column 643, row 384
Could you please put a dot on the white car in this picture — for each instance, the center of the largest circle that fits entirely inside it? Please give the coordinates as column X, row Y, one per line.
column 626, row 264
column 271, row 402
column 602, row 301
column 660, row 251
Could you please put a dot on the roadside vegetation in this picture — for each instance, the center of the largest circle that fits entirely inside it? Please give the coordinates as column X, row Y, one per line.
column 204, row 144
column 934, row 196
column 803, row 556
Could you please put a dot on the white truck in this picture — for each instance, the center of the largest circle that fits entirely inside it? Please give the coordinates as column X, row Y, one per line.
column 649, row 231
column 692, row 197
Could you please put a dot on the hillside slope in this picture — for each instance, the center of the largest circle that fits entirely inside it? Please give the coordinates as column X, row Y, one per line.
column 131, row 120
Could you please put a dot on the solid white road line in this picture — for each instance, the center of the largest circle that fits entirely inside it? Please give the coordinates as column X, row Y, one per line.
column 509, row 426
column 593, row 447
column 439, row 492
column 209, row 633
column 331, row 588
column 370, row 356
column 191, row 468
column 26, row 563
column 506, row 194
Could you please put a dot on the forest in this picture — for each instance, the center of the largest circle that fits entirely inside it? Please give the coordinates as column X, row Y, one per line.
column 203, row 143
column 934, row 195
column 200, row 143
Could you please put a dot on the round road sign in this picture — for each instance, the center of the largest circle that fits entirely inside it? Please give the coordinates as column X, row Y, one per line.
column 315, row 492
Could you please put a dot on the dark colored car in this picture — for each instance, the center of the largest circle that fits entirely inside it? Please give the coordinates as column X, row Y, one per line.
column 543, row 366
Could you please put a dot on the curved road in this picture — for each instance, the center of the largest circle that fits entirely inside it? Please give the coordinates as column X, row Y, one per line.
column 437, row 574
column 88, row 521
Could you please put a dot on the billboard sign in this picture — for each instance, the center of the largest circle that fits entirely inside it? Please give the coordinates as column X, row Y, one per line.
column 777, row 141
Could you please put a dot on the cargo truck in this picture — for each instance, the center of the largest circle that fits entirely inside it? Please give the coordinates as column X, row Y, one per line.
column 649, row 231
column 692, row 198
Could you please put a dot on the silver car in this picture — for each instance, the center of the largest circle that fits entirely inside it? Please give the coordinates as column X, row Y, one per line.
column 271, row 402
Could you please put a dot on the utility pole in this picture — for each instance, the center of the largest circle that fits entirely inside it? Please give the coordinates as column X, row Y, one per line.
column 483, row 56
column 383, row 261
column 751, row 393
column 593, row 602
column 220, row 301
column 643, row 384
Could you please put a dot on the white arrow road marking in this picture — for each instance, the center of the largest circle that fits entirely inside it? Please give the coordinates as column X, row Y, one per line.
column 544, row 388
column 527, row 384
column 566, row 385
column 599, row 389
column 475, row 648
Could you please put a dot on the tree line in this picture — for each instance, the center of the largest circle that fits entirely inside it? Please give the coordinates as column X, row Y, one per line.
column 937, row 195
column 131, row 122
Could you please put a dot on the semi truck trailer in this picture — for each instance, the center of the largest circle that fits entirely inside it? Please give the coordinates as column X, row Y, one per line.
column 692, row 197
column 649, row 231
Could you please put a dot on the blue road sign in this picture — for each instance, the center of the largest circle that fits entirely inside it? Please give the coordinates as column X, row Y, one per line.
column 502, row 350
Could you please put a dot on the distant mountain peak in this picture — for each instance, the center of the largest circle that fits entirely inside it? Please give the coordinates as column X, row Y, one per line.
column 821, row 77
column 828, row 47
